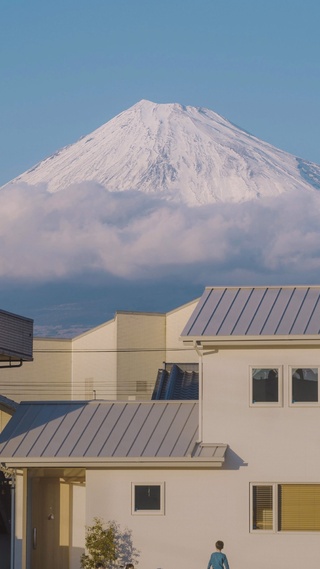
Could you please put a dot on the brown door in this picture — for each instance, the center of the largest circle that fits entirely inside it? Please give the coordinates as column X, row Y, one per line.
column 50, row 524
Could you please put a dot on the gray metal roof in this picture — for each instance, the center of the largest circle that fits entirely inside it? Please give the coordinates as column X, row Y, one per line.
column 256, row 311
column 97, row 430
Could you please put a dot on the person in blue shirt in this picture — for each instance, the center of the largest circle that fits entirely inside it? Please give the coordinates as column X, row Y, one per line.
column 217, row 559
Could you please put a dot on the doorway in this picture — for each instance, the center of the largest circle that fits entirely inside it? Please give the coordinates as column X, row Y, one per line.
column 50, row 528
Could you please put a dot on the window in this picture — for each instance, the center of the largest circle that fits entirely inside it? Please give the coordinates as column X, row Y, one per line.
column 265, row 386
column 262, row 499
column 286, row 507
column 148, row 499
column 304, row 385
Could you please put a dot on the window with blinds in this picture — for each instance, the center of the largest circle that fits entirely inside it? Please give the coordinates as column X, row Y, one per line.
column 299, row 507
column 286, row 507
column 262, row 507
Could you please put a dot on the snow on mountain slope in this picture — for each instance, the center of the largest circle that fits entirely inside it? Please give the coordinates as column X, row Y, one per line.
column 187, row 154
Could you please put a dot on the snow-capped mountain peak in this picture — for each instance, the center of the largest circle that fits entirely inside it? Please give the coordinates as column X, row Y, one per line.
column 187, row 154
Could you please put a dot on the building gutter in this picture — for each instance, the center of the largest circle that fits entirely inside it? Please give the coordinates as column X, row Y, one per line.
column 118, row 463
column 217, row 342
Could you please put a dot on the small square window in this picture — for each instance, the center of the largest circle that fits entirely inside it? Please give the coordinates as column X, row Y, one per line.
column 304, row 385
column 265, row 385
column 147, row 499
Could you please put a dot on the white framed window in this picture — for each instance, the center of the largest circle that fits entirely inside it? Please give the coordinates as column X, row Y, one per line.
column 303, row 385
column 265, row 386
column 262, row 507
column 285, row 507
column 147, row 498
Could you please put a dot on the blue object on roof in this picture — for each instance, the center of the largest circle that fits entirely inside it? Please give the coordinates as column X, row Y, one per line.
column 177, row 383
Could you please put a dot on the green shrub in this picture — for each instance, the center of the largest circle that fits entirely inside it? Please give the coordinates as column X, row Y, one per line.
column 108, row 544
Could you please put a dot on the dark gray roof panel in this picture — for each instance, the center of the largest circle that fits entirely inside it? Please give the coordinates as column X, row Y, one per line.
column 256, row 311
column 16, row 336
column 101, row 429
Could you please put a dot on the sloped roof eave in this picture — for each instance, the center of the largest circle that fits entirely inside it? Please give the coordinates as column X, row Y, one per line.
column 209, row 341
column 117, row 463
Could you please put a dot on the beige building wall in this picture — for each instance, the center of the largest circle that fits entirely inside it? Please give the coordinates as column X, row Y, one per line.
column 4, row 419
column 119, row 359
column 78, row 524
column 175, row 323
column 47, row 377
column 94, row 360
column 141, row 352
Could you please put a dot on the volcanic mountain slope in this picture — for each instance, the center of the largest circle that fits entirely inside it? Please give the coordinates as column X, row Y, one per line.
column 186, row 154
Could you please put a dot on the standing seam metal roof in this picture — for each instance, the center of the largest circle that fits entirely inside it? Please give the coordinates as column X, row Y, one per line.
column 103, row 429
column 256, row 311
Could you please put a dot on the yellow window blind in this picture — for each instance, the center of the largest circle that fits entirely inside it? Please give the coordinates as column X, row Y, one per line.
column 299, row 507
column 262, row 508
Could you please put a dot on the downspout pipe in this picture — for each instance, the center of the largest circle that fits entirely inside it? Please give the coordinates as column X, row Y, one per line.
column 13, row 520
column 200, row 354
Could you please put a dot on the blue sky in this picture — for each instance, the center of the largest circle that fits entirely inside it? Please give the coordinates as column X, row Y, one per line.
column 69, row 66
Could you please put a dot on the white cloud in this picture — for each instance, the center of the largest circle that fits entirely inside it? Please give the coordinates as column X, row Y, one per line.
column 46, row 237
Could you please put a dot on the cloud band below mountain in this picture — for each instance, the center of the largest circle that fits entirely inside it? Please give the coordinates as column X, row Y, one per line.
column 45, row 237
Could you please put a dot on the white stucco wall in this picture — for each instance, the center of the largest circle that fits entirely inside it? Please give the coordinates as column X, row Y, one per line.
column 266, row 444
column 193, row 520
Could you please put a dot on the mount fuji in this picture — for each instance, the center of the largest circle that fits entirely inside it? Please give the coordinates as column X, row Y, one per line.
column 183, row 154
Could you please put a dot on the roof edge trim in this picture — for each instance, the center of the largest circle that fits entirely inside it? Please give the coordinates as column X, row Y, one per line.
column 109, row 463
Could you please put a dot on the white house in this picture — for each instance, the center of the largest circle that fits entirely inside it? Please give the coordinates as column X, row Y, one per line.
column 242, row 464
